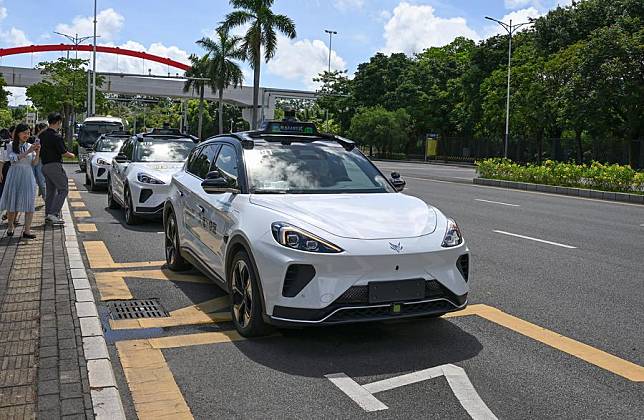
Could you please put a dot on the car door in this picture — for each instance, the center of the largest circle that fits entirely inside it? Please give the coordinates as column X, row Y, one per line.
column 119, row 170
column 221, row 215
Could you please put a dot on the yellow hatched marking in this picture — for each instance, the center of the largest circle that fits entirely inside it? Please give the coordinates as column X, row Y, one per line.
column 77, row 204
column 86, row 227
column 112, row 286
column 99, row 257
column 82, row 213
column 74, row 195
column 208, row 312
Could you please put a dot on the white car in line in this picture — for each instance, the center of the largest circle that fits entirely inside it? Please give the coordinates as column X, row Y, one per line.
column 99, row 158
column 139, row 177
column 302, row 229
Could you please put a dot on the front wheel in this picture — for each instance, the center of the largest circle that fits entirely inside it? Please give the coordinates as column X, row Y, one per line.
column 92, row 183
column 172, row 246
column 245, row 301
column 111, row 203
column 130, row 216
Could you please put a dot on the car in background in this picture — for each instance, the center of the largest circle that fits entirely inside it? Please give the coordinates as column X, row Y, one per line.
column 91, row 129
column 302, row 229
column 99, row 158
column 140, row 174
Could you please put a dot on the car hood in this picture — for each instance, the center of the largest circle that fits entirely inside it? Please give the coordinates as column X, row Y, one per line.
column 162, row 171
column 356, row 216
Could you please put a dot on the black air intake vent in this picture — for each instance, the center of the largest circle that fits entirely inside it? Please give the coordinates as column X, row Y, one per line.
column 296, row 279
column 463, row 265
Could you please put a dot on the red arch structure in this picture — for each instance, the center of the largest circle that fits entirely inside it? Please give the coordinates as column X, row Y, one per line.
column 89, row 48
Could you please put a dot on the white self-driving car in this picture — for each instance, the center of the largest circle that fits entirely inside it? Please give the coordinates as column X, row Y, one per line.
column 99, row 158
column 139, row 178
column 302, row 229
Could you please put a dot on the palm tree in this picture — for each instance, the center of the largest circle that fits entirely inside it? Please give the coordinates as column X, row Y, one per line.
column 261, row 33
column 197, row 73
column 222, row 70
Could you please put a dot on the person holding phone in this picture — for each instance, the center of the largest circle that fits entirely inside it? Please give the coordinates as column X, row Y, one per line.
column 20, row 185
column 40, row 178
column 53, row 151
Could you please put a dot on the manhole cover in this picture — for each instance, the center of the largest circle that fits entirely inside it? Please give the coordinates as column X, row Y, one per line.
column 131, row 309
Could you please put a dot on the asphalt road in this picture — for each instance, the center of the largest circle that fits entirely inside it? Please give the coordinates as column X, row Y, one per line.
column 584, row 282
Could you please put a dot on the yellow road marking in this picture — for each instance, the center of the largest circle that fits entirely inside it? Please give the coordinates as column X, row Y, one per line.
column 86, row 227
column 77, row 204
column 82, row 213
column 74, row 195
column 582, row 351
column 99, row 257
column 208, row 312
column 112, row 286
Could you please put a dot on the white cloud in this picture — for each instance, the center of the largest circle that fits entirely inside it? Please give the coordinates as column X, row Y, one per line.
column 108, row 24
column 517, row 17
column 515, row 4
column 12, row 37
column 18, row 96
column 413, row 28
column 303, row 60
column 344, row 5
column 3, row 13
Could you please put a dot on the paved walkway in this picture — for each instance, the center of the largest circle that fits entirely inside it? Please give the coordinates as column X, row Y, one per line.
column 43, row 372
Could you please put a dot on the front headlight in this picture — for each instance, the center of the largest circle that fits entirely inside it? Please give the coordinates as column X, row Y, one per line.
column 296, row 238
column 102, row 162
column 147, row 179
column 453, row 236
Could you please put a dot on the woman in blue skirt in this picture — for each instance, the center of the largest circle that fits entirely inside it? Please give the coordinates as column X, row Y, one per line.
column 19, row 193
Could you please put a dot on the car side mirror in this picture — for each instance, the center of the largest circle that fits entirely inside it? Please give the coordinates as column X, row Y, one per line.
column 121, row 158
column 217, row 184
column 397, row 181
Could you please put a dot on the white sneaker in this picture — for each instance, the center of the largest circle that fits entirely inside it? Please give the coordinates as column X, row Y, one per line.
column 54, row 220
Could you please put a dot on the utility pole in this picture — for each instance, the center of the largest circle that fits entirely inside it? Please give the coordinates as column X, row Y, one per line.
column 331, row 33
column 94, row 66
column 76, row 40
column 510, row 29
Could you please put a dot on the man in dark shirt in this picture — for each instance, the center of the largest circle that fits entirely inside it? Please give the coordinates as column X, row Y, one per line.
column 51, row 154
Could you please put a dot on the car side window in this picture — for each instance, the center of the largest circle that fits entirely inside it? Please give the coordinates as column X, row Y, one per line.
column 128, row 149
column 226, row 164
column 191, row 160
column 200, row 165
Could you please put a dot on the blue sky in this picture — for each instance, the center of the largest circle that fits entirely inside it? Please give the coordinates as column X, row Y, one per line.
column 170, row 28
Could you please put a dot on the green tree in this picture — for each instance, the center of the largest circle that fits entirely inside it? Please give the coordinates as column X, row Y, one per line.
column 198, row 78
column 222, row 70
column 260, row 34
column 4, row 95
column 387, row 131
column 336, row 97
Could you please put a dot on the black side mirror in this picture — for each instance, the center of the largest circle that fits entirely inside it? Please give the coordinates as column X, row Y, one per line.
column 397, row 181
column 121, row 158
column 216, row 184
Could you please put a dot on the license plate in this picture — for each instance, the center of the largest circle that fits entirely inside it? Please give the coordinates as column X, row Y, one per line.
column 396, row 291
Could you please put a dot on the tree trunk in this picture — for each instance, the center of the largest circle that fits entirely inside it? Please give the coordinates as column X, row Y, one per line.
column 221, row 111
column 539, row 146
column 256, row 69
column 201, row 93
column 580, row 151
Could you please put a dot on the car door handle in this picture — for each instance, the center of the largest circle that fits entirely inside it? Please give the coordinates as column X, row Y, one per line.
column 201, row 209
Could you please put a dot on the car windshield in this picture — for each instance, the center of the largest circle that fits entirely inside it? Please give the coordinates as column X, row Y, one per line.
column 91, row 131
column 311, row 168
column 109, row 144
column 163, row 150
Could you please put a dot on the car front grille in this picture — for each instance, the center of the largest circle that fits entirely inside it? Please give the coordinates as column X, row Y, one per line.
column 360, row 294
column 383, row 312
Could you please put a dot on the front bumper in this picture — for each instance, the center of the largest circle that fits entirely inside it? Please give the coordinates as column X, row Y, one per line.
column 149, row 199
column 100, row 174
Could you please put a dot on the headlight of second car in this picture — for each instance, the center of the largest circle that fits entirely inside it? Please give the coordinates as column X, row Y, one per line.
column 147, row 179
column 296, row 238
column 453, row 235
column 102, row 162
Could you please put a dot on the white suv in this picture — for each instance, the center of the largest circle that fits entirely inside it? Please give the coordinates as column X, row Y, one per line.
column 99, row 158
column 139, row 177
column 302, row 229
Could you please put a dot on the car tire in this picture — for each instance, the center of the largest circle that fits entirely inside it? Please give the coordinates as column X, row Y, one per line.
column 245, row 301
column 173, row 257
column 130, row 217
column 92, row 184
column 86, row 178
column 111, row 202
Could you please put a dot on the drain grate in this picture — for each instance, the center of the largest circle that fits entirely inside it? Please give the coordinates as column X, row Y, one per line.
column 134, row 309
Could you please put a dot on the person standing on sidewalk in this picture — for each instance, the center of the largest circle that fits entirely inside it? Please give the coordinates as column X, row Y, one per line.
column 53, row 150
column 19, row 194
column 5, row 146
column 40, row 178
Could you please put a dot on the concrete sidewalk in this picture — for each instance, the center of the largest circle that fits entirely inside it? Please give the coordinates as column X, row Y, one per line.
column 43, row 371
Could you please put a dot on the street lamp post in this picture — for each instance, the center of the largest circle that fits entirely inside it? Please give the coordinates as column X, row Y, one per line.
column 331, row 33
column 510, row 29
column 76, row 40
column 94, row 66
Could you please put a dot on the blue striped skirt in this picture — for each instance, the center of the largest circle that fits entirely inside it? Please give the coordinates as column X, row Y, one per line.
column 19, row 192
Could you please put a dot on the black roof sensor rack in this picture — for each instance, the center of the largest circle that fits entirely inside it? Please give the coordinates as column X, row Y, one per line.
column 118, row 133
column 168, row 133
column 286, row 130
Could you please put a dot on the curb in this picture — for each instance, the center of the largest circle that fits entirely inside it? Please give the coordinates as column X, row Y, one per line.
column 102, row 383
column 553, row 189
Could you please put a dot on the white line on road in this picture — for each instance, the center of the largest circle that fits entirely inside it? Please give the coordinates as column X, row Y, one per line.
column 357, row 393
column 497, row 202
column 535, row 239
column 408, row 379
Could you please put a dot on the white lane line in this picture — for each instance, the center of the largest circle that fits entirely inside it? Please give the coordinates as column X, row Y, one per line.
column 466, row 393
column 497, row 202
column 642, row 225
column 535, row 239
column 408, row 379
column 357, row 393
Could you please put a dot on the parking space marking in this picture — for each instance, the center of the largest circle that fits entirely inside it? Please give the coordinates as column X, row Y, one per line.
column 535, row 239
column 74, row 195
column 208, row 312
column 86, row 227
column 112, row 286
column 99, row 257
column 497, row 202
column 357, row 393
column 81, row 213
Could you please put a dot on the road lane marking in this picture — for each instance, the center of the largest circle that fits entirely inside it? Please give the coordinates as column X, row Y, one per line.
column 86, row 227
column 99, row 257
column 112, row 286
column 74, row 195
column 497, row 202
column 77, row 204
column 585, row 352
column 208, row 312
column 81, row 213
column 456, row 378
column 535, row 239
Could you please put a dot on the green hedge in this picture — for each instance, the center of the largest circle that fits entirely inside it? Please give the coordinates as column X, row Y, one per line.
column 596, row 176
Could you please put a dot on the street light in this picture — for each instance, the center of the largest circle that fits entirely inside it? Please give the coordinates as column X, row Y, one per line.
column 76, row 40
column 510, row 29
column 331, row 33
column 94, row 66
